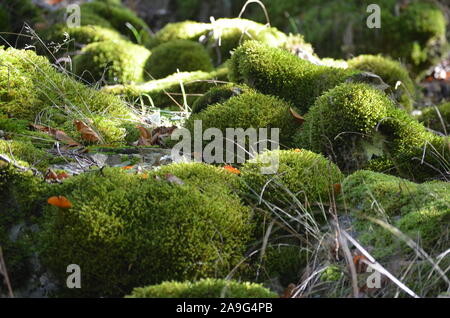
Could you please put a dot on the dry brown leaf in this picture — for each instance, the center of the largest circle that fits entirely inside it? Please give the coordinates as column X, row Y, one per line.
column 297, row 116
column 57, row 134
column 87, row 133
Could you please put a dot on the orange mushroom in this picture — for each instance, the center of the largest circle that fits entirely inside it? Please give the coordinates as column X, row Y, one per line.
column 60, row 201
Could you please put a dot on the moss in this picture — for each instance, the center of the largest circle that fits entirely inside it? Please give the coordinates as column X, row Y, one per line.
column 125, row 230
column 378, row 194
column 205, row 288
column 423, row 162
column 29, row 85
column 167, row 92
column 391, row 72
column 111, row 62
column 182, row 55
column 419, row 26
column 308, row 176
column 248, row 110
column 437, row 118
column 83, row 34
column 424, row 212
column 332, row 274
column 186, row 30
column 118, row 16
column 277, row 72
column 228, row 34
column 355, row 123
column 218, row 94
column 24, row 153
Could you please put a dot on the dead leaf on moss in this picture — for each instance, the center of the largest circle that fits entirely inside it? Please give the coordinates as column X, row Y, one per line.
column 57, row 134
column 87, row 133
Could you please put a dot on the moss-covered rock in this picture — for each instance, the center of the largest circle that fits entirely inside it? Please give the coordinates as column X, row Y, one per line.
column 111, row 62
column 119, row 17
column 182, row 55
column 167, row 92
column 126, row 230
column 204, row 288
column 355, row 123
column 30, row 84
column 420, row 211
column 277, row 72
column 437, row 118
column 391, row 72
column 218, row 94
column 185, row 30
column 248, row 110
column 339, row 28
column 302, row 174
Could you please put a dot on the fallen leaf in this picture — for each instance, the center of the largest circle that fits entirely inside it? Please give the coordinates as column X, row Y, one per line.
column 60, row 201
column 359, row 265
column 145, row 139
column 232, row 169
column 127, row 167
column 87, row 133
column 337, row 188
column 288, row 293
column 297, row 116
column 62, row 175
column 51, row 175
column 297, row 150
column 57, row 134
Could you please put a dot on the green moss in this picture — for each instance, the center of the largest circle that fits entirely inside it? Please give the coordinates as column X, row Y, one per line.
column 167, row 92
column 423, row 210
column 437, row 118
column 118, row 16
column 308, row 176
column 218, row 94
column 23, row 152
column 378, row 194
column 111, row 62
column 205, row 288
column 331, row 274
column 277, row 72
column 248, row 110
column 29, row 85
column 125, row 230
column 355, row 123
column 83, row 34
column 391, row 72
column 186, row 30
column 228, row 34
column 182, row 55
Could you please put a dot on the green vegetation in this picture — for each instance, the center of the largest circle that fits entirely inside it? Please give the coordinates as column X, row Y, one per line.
column 111, row 62
column 167, row 92
column 391, row 72
column 205, row 288
column 277, row 72
column 131, row 231
column 437, row 118
column 182, row 55
column 186, row 30
column 306, row 175
column 218, row 94
column 248, row 110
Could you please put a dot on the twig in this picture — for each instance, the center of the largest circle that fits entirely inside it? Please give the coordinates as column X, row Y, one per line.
column 4, row 272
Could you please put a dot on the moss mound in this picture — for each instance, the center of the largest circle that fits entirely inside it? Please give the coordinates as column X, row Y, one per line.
column 277, row 72
column 29, row 85
column 205, row 288
column 111, row 62
column 248, row 110
column 118, row 16
column 437, row 118
column 129, row 230
column 355, row 123
column 307, row 175
column 218, row 94
column 391, row 72
column 185, row 30
column 167, row 92
column 421, row 211
column 182, row 55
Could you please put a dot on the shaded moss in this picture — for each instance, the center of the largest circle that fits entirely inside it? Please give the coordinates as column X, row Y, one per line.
column 125, row 230
column 204, row 288
column 185, row 30
column 391, row 72
column 111, row 62
column 182, row 55
column 437, row 118
column 277, row 72
column 167, row 92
